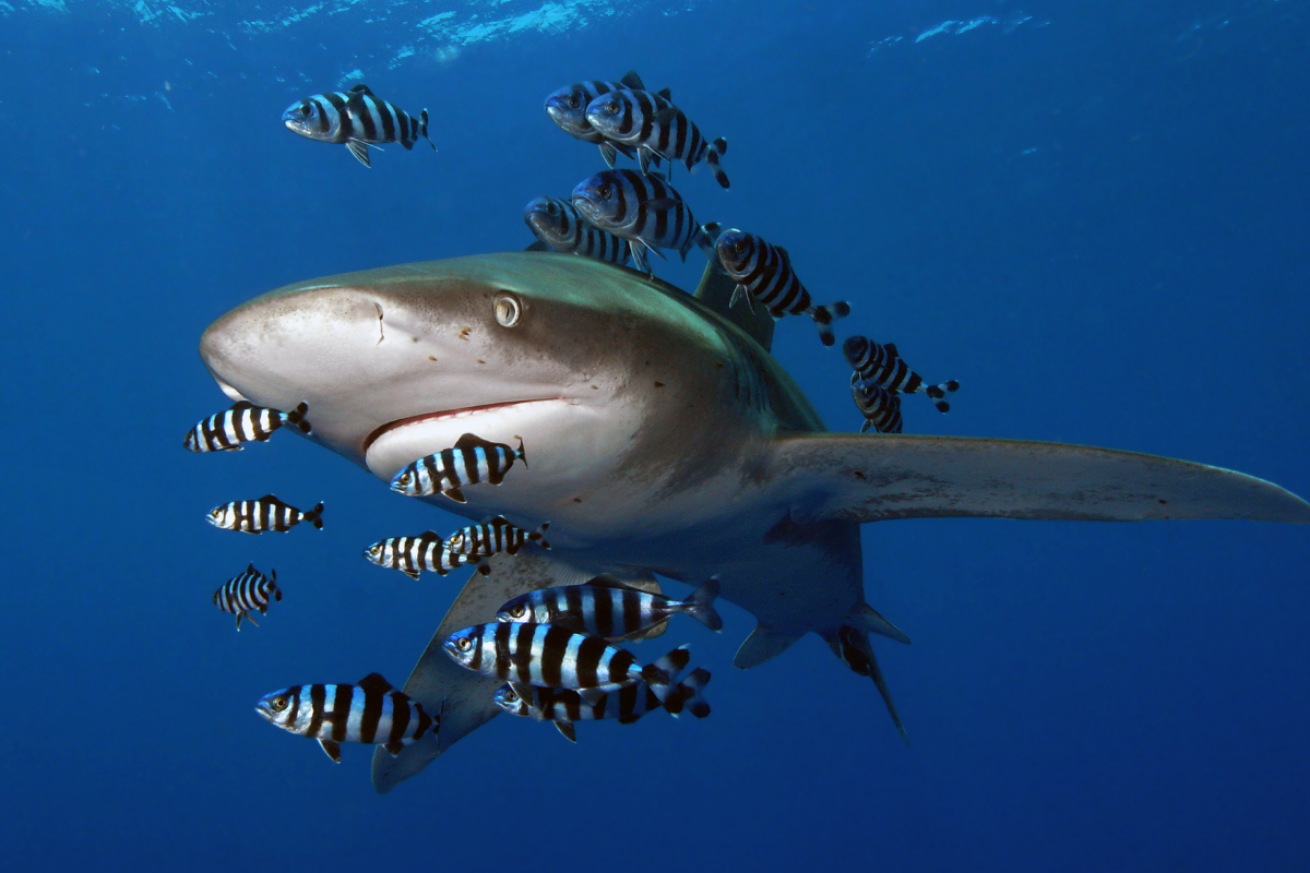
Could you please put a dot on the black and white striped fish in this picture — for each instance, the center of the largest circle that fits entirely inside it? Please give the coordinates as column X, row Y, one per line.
column 412, row 555
column 654, row 127
column 605, row 607
column 266, row 513
column 881, row 408
column 493, row 537
column 554, row 657
column 371, row 712
column 881, row 364
column 763, row 271
column 245, row 422
column 356, row 118
column 642, row 208
column 561, row 228
column 563, row 707
column 472, row 460
column 567, row 107
column 250, row 592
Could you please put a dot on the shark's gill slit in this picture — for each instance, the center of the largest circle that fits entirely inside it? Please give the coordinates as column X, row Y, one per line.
column 381, row 334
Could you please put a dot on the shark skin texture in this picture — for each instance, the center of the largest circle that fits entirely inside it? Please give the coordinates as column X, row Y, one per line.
column 663, row 438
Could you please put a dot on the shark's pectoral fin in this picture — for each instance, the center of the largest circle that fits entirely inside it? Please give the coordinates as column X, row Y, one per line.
column 886, row 476
column 465, row 699
column 764, row 643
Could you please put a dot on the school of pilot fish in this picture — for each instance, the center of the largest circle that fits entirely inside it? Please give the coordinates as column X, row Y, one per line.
column 560, row 652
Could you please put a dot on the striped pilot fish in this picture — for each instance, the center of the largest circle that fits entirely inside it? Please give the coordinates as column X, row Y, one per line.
column 605, row 607
column 412, row 555
column 643, row 209
column 243, row 423
column 472, row 460
column 358, row 118
column 567, row 107
column 763, row 271
column 879, row 364
column 495, row 536
column 250, row 592
column 370, row 712
column 266, row 513
column 654, row 127
column 881, row 408
column 561, row 228
column 563, row 707
column 555, row 657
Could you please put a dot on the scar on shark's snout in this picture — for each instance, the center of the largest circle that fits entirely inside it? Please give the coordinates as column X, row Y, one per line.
column 381, row 334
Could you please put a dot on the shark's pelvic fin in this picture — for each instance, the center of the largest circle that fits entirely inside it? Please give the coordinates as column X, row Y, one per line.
column 884, row 476
column 763, row 644
column 465, row 699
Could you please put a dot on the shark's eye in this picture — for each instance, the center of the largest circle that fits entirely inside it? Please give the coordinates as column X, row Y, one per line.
column 278, row 704
column 508, row 309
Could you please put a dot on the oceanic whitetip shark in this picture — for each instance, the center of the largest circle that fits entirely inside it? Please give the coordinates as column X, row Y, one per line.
column 663, row 439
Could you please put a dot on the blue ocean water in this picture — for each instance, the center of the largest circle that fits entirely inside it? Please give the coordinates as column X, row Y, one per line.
column 1093, row 215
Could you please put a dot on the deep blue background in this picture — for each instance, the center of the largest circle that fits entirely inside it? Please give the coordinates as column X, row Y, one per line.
column 1079, row 697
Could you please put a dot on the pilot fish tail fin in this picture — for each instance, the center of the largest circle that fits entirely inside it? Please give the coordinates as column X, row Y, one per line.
column 423, row 128
column 315, row 516
column 938, row 394
column 538, row 536
column 825, row 315
column 851, row 645
column 662, row 674
column 687, row 696
column 297, row 417
column 713, row 155
column 519, row 453
column 700, row 605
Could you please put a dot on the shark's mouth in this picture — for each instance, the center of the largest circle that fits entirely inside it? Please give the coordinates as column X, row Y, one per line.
column 447, row 414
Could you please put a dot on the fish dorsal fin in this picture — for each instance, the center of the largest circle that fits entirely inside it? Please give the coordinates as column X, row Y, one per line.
column 242, row 404
column 361, row 88
column 632, row 80
column 374, row 682
column 270, row 497
column 715, row 291
column 470, row 441
column 665, row 93
column 784, row 254
column 891, row 349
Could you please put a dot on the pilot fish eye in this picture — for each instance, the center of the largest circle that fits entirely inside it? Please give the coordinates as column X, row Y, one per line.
column 518, row 610
column 612, row 107
column 740, row 248
column 511, row 696
column 604, row 191
column 463, row 644
column 279, row 704
column 304, row 110
column 508, row 310
column 404, row 479
column 574, row 100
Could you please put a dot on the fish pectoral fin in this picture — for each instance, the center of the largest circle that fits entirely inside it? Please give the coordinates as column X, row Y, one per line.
column 359, row 149
column 763, row 644
column 609, row 154
column 877, row 478
column 331, row 749
column 565, row 727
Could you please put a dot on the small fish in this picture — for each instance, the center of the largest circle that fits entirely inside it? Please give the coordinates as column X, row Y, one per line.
column 554, row 657
column 605, row 607
column 244, row 422
column 654, row 127
column 852, row 646
column 493, row 537
column 266, row 513
column 881, row 408
column 371, row 712
column 356, row 118
column 561, row 228
column 567, row 107
column 412, row 555
column 642, row 208
column 627, row 705
column 763, row 271
column 244, row 594
column 472, row 460
column 879, row 364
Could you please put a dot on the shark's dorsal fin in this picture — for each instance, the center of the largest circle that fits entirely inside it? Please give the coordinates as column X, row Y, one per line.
column 715, row 291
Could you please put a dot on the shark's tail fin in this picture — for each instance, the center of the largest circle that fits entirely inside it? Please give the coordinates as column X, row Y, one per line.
column 700, row 605
column 315, row 516
column 938, row 394
column 661, row 675
column 825, row 315
column 297, row 417
column 851, row 645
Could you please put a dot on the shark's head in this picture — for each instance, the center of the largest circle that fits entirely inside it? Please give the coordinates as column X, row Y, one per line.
column 602, row 372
